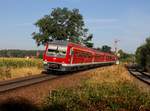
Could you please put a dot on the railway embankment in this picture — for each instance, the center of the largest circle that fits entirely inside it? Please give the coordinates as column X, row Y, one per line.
column 105, row 88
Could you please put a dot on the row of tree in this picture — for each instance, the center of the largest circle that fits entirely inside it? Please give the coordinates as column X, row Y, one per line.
column 143, row 55
column 104, row 48
column 21, row 53
column 124, row 56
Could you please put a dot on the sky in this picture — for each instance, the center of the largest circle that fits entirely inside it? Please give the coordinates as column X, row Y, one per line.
column 127, row 21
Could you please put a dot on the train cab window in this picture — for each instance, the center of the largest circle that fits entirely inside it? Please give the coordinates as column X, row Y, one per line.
column 56, row 50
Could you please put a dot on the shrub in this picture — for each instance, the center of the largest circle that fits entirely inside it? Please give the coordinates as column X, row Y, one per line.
column 98, row 97
column 5, row 72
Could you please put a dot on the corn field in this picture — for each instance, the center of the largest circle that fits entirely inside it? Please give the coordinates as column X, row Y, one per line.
column 20, row 62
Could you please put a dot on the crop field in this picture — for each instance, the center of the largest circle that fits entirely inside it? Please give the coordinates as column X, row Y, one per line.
column 20, row 62
column 19, row 67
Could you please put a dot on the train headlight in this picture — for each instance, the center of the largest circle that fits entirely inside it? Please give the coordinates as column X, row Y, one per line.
column 117, row 62
column 44, row 62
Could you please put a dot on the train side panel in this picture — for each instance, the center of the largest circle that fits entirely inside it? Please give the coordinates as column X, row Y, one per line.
column 81, row 56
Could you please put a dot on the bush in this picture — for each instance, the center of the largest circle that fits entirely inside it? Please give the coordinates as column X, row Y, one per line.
column 98, row 97
column 5, row 72
column 143, row 55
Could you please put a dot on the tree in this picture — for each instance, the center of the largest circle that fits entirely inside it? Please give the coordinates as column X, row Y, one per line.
column 140, row 56
column 98, row 48
column 125, row 56
column 88, row 41
column 61, row 24
column 143, row 55
column 106, row 48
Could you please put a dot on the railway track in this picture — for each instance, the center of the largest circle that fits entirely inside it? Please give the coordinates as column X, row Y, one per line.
column 24, row 81
column 10, row 85
column 143, row 76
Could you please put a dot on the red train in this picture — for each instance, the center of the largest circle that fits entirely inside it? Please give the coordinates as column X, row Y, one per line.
column 67, row 56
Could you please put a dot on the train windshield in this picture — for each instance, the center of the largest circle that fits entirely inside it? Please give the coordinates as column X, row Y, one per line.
column 56, row 50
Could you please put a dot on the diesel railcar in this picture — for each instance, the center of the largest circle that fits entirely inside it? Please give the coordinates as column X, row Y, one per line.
column 67, row 56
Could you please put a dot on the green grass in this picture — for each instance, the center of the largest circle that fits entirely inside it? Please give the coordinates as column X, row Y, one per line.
column 98, row 97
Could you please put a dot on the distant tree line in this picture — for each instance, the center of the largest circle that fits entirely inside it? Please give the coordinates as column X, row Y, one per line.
column 104, row 48
column 143, row 55
column 123, row 56
column 21, row 53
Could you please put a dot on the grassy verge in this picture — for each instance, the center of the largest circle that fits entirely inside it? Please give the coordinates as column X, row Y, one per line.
column 19, row 67
column 106, row 89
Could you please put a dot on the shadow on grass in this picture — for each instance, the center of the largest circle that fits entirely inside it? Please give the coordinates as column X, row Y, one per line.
column 57, row 107
column 17, row 104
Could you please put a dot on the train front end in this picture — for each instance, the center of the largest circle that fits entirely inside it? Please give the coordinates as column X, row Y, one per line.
column 55, row 56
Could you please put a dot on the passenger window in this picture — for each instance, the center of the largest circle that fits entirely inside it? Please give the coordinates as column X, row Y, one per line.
column 71, row 51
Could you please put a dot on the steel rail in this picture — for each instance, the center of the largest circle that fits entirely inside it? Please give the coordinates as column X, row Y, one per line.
column 140, row 75
column 24, row 81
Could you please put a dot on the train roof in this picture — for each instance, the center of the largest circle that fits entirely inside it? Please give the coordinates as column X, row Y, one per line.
column 60, row 42
column 66, row 43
